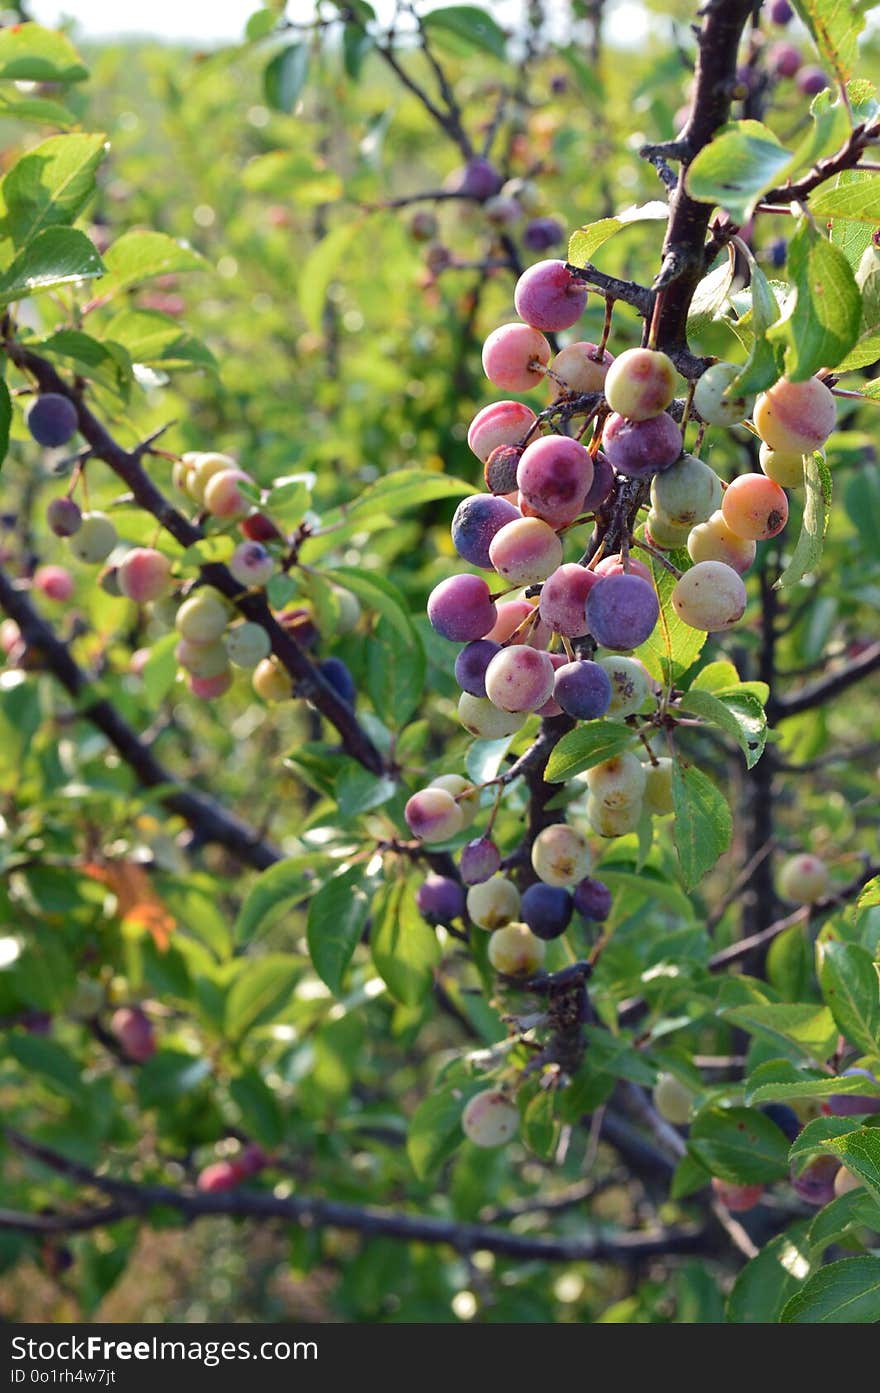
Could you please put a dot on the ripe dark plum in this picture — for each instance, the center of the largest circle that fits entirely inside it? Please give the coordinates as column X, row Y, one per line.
column 334, row 671
column 553, row 477
column 815, row 1184
column 51, row 420
column 592, row 899
column 471, row 664
column 603, row 483
column 641, row 448
column 540, row 234
column 461, row 608
column 563, row 603
column 64, row 517
column 786, row 1119
column 479, row 861
column 474, row 524
column 583, row 690
column 622, row 611
column 854, row 1104
column 440, row 898
column 547, row 910
column 477, row 179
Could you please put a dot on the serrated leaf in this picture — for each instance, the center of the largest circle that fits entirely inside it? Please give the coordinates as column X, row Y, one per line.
column 139, row 256
column 812, row 1139
column 49, row 186
column 835, row 26
column 739, row 1145
column 703, row 824
column 860, row 1153
column 737, row 166
column 674, row 645
column 396, row 669
column 770, row 1279
column 57, row 256
column 29, row 53
column 405, row 950
column 584, row 243
column 105, row 362
column 793, row 1084
column 855, row 198
column 845, row 1292
column 262, row 989
column 284, row 884
column 435, row 1129
column 803, row 1028
column 407, row 488
column 590, row 743
column 822, row 316
column 378, row 594
column 740, row 714
column 817, row 510
column 851, row 988
column 337, row 917
column 150, row 337
column 465, row 28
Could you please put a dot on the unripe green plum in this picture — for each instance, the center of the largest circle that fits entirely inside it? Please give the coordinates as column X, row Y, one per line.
column 714, row 540
column 488, row 722
column 203, row 617
column 795, row 417
column 202, row 469
column 95, row 539
column 463, row 791
column 630, row 685
column 514, row 951
column 619, row 781
column 181, row 471
column 640, row 383
column 561, row 855
column 493, row 902
column 490, row 1119
column 686, row 493
column 433, row 815
column 658, row 787
column 714, row 402
column 785, row 470
column 661, row 533
column 710, row 596
column 271, row 681
column 672, row 1099
column 202, row 659
column 613, row 822
column 803, row 879
column 247, row 644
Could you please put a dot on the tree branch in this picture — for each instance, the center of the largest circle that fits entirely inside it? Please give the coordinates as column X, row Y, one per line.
column 826, row 688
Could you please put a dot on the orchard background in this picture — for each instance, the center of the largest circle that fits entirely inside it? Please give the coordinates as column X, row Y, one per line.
column 234, row 1054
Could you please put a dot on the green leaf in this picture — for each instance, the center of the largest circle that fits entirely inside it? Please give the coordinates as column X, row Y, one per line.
column 710, row 298
column 396, row 669
column 337, row 916
column 851, row 988
column 169, row 1076
column 29, row 53
column 260, row 24
column 793, row 1083
column 49, row 186
column 737, row 167
column 762, row 368
column 837, row 1219
column 813, row 1138
column 822, row 316
column 406, row 488
column 284, row 884
column 845, row 1292
column 739, row 1145
column 318, row 269
column 435, row 1129
column 584, row 243
column 377, row 593
column 285, row 76
column 540, row 1130
column 817, row 510
column 589, row 744
column 355, row 47
column 278, row 171
column 160, row 669
column 260, row 1111
column 855, row 198
column 740, row 714
column 464, row 28
column 153, row 338
column 138, row 256
column 801, row 1028
column 867, row 348
column 703, row 824
column 835, row 26
column 58, row 256
column 50, row 1062
column 358, row 791
column 860, row 1153
column 5, row 419
column 405, row 951
column 674, row 645
column 261, row 990
column 106, row 363
column 40, row 109
column 770, row 1279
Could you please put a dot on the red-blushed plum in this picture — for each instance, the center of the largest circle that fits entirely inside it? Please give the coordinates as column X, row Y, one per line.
column 133, row 1031
column 546, row 910
column 622, row 611
column 144, row 574
column 466, row 794
column 54, row 582
column 815, row 1183
column 433, row 815
column 524, row 552
column 754, row 507
column 490, row 1119
column 223, row 496
column 493, row 902
column 710, row 596
column 520, row 678
column 471, row 664
column 474, row 524
column 583, row 690
column 592, row 899
column 209, row 688
column 513, row 356
column 440, row 899
column 714, row 540
column 549, row 297
column 514, row 951
column 738, row 1199
column 554, row 475
column 803, row 879
column 579, row 367
column 795, row 417
column 219, row 1176
column 479, row 861
column 616, row 566
column 461, row 608
column 564, row 598
column 500, row 423
column 641, row 448
column 640, row 383
column 512, row 616
column 561, row 855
